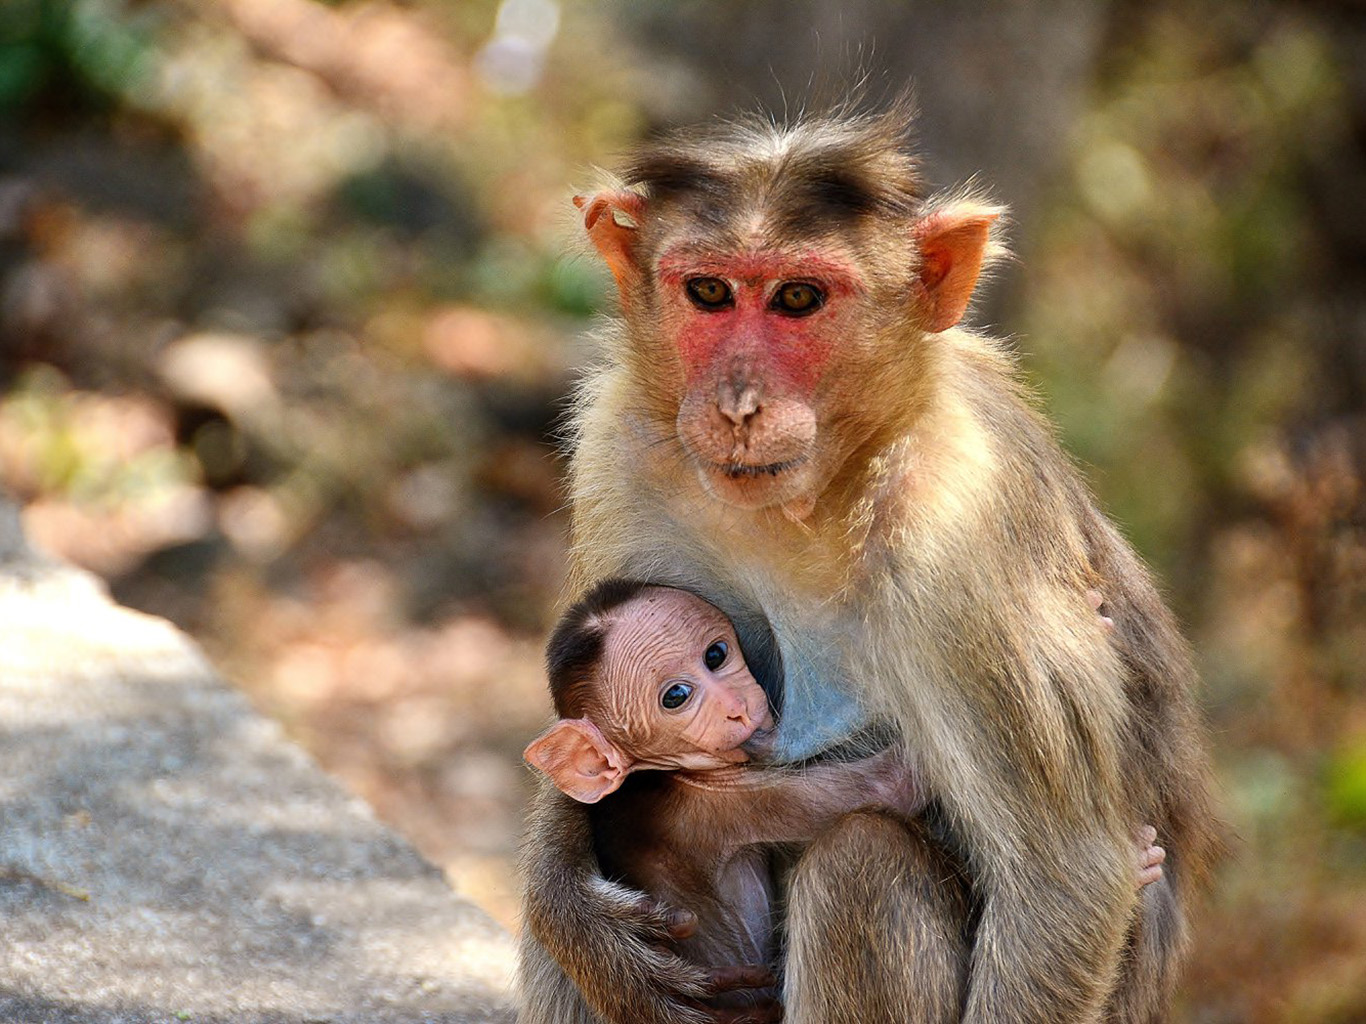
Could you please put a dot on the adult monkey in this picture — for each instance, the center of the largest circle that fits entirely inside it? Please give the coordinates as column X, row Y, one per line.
column 790, row 425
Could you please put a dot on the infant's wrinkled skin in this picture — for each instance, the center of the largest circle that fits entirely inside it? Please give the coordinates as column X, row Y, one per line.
column 671, row 691
column 656, row 653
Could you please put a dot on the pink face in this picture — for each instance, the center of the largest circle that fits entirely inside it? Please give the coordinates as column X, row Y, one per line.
column 776, row 306
column 777, row 344
column 676, row 686
column 756, row 333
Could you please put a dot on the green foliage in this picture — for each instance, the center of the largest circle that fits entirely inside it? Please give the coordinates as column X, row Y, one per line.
column 97, row 49
column 1345, row 785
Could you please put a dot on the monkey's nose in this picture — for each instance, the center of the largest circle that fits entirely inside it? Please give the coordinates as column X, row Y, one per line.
column 739, row 712
column 738, row 402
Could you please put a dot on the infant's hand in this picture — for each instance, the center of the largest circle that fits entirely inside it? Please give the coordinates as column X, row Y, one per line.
column 1097, row 601
column 892, row 785
column 1150, row 856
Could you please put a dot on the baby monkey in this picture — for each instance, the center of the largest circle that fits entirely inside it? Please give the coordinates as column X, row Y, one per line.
column 652, row 677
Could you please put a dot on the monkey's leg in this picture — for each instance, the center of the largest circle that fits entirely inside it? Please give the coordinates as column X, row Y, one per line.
column 876, row 927
column 596, row 944
column 1155, row 949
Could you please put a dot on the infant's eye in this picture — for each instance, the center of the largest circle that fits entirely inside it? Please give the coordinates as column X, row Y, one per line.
column 716, row 655
column 676, row 696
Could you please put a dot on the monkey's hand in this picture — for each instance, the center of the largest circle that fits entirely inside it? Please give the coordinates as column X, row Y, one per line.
column 625, row 967
column 615, row 944
column 892, row 784
column 1150, row 856
column 1097, row 601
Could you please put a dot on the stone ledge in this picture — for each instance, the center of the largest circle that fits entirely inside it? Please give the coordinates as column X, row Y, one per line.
column 167, row 854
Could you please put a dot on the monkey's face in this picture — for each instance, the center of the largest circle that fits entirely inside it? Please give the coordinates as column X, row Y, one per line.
column 675, row 685
column 779, row 351
column 756, row 334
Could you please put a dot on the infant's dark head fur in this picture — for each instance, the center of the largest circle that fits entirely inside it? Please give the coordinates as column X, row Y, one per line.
column 574, row 651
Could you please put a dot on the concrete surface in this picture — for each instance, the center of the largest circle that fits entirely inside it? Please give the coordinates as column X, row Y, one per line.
column 166, row 854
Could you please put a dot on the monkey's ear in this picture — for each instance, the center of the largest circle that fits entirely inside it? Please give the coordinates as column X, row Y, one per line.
column 954, row 242
column 579, row 759
column 611, row 219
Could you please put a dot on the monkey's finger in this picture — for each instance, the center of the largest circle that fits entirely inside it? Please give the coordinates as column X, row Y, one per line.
column 680, row 924
column 660, row 921
column 728, row 979
column 1153, row 856
column 1097, row 601
column 1150, row 865
column 1147, row 835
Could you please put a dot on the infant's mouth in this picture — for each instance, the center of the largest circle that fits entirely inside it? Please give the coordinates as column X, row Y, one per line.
column 760, row 742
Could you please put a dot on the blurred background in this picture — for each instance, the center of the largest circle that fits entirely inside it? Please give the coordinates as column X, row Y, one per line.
column 290, row 303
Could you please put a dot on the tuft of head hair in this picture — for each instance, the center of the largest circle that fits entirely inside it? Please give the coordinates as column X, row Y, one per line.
column 574, row 650
column 833, row 166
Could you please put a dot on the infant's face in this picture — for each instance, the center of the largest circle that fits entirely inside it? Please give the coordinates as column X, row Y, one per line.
column 676, row 686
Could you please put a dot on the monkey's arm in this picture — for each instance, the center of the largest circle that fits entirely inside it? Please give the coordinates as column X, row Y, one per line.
column 1051, row 848
column 1049, row 940
column 795, row 805
column 607, row 940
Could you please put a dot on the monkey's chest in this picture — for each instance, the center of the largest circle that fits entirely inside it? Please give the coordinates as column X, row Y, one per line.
column 821, row 706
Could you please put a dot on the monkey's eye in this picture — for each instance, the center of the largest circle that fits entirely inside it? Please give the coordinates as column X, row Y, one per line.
column 709, row 293
column 716, row 655
column 675, row 696
column 798, row 299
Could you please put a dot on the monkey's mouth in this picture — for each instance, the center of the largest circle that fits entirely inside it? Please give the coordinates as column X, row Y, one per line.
column 743, row 471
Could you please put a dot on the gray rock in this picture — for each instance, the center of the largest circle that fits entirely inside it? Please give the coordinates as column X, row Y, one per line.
column 167, row 854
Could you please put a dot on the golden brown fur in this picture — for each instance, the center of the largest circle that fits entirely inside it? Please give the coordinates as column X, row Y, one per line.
column 944, row 561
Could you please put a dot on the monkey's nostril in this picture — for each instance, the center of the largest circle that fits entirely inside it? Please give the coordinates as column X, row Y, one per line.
column 739, row 416
column 739, row 403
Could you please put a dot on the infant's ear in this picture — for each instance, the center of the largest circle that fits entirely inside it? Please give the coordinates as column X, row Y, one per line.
column 579, row 759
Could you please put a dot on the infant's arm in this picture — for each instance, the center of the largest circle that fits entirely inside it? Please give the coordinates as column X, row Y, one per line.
column 793, row 805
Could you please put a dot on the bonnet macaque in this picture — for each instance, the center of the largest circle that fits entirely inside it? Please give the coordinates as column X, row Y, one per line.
column 789, row 422
column 653, row 678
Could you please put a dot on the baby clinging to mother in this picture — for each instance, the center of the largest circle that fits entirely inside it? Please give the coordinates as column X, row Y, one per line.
column 791, row 425
column 653, row 678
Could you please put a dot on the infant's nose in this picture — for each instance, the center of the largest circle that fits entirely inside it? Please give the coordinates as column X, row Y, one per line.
column 737, row 709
